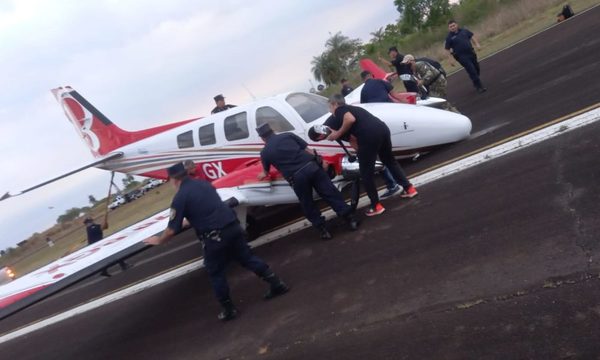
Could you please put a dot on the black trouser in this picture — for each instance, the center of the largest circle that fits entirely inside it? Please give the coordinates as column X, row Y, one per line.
column 231, row 246
column 469, row 62
column 378, row 143
column 312, row 176
column 411, row 86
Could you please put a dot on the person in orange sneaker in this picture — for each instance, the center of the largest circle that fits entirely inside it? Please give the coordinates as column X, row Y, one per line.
column 373, row 140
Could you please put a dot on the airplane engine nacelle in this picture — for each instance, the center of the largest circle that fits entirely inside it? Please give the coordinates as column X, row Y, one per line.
column 351, row 169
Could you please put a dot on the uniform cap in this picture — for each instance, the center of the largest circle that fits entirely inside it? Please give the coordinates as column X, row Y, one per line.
column 264, row 130
column 219, row 97
column 88, row 220
column 408, row 58
column 176, row 170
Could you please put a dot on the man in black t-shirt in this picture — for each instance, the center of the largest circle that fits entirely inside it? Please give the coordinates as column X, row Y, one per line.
column 373, row 140
column 402, row 70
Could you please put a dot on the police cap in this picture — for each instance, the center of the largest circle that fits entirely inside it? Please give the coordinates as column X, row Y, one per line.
column 264, row 130
column 88, row 219
column 176, row 171
column 219, row 97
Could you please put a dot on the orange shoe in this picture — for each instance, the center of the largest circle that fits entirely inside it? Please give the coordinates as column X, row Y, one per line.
column 410, row 193
column 378, row 209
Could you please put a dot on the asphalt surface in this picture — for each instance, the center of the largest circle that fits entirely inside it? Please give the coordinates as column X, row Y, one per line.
column 496, row 262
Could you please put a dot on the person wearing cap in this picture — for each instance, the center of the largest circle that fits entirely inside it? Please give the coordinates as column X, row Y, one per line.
column 198, row 204
column 458, row 44
column 403, row 71
column 429, row 77
column 346, row 88
column 95, row 234
column 373, row 139
column 221, row 106
column 290, row 155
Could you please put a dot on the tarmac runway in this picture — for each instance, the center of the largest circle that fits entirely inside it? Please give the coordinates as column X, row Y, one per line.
column 495, row 262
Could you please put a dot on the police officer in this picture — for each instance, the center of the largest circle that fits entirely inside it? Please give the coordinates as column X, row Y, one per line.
column 375, row 90
column 221, row 106
column 429, row 77
column 458, row 44
column 373, row 139
column 403, row 71
column 300, row 167
column 95, row 234
column 216, row 225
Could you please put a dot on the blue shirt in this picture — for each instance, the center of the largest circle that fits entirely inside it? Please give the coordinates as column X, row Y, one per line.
column 460, row 42
column 375, row 90
column 286, row 152
column 94, row 233
column 198, row 201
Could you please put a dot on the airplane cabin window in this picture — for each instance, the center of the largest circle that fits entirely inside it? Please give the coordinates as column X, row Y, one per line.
column 185, row 140
column 236, row 127
column 271, row 116
column 206, row 134
column 310, row 107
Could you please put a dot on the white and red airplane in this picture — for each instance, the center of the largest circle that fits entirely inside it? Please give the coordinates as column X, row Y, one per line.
column 225, row 149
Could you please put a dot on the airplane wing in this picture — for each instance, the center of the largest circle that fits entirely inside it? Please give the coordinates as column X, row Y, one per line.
column 95, row 163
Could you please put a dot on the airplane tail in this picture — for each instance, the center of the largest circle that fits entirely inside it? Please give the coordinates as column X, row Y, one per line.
column 376, row 71
column 99, row 133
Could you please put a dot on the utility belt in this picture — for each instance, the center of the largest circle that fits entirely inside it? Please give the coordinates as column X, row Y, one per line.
column 290, row 179
column 215, row 235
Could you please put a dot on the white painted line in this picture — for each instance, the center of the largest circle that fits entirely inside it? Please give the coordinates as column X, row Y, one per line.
column 480, row 158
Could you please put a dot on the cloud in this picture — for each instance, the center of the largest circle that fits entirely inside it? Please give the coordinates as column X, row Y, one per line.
column 142, row 63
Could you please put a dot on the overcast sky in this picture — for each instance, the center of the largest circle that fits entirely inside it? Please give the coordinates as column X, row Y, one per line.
column 142, row 63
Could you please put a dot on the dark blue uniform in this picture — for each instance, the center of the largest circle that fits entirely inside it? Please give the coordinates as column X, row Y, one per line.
column 217, row 226
column 376, row 90
column 94, row 233
column 374, row 139
column 463, row 52
column 287, row 152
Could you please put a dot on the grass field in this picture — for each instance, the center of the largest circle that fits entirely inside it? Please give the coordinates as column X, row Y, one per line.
column 525, row 18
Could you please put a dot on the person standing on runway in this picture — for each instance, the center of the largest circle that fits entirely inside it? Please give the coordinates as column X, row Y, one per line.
column 459, row 44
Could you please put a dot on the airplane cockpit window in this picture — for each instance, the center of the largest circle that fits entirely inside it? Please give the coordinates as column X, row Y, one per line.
column 310, row 107
column 207, row 135
column 271, row 116
column 185, row 140
column 236, row 127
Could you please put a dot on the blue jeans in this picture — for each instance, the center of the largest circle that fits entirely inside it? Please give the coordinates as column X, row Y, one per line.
column 390, row 183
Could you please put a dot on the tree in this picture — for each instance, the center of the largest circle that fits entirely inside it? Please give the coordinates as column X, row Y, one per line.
column 378, row 35
column 419, row 14
column 69, row 215
column 92, row 200
column 339, row 58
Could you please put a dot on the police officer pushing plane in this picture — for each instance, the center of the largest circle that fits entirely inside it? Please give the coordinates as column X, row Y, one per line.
column 223, row 238
column 302, row 169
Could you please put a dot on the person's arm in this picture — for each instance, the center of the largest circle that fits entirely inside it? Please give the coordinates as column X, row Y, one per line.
column 162, row 238
column 347, row 123
column 475, row 42
column 386, row 62
column 266, row 167
column 353, row 142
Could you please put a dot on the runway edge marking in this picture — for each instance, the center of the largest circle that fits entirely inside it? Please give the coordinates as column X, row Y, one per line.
column 546, row 133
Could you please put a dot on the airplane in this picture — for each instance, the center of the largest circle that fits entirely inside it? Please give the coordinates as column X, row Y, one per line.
column 225, row 149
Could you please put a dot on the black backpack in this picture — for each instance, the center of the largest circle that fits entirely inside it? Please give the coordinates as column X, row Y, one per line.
column 433, row 63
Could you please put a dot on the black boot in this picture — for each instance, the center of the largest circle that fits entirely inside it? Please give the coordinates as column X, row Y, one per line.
column 324, row 233
column 277, row 288
column 352, row 222
column 229, row 311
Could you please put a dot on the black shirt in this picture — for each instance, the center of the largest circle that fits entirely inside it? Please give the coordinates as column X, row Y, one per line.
column 375, row 90
column 219, row 109
column 198, row 201
column 94, row 233
column 286, row 152
column 365, row 126
column 459, row 42
column 401, row 68
column 346, row 89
